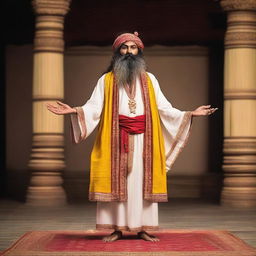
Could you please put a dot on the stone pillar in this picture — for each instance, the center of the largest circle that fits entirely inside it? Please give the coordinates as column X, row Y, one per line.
column 239, row 163
column 47, row 156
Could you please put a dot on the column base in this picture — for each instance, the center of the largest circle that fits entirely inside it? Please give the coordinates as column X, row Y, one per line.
column 239, row 197
column 46, row 196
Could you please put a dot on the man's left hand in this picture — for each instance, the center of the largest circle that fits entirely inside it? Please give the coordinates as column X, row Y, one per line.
column 204, row 110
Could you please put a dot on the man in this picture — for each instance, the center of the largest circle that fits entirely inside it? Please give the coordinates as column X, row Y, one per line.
column 140, row 135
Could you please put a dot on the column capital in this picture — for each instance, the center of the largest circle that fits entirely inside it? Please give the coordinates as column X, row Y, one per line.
column 49, row 25
column 241, row 23
column 236, row 5
column 51, row 7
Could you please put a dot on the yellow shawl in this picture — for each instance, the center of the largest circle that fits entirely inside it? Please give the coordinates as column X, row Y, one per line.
column 109, row 167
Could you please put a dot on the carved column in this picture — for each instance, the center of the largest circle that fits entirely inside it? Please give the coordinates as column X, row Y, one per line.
column 239, row 163
column 47, row 156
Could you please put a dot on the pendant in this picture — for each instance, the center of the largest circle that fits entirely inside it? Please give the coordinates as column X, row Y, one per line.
column 132, row 106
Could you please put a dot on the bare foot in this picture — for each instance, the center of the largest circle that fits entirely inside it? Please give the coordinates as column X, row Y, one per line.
column 145, row 236
column 113, row 236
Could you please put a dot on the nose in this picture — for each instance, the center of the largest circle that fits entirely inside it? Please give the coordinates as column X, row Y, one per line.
column 129, row 49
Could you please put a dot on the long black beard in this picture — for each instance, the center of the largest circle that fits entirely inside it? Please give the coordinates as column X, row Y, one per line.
column 127, row 67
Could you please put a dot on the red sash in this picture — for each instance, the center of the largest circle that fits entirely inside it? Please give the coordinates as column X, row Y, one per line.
column 130, row 125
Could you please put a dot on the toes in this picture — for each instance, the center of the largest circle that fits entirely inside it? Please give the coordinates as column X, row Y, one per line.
column 111, row 238
column 105, row 239
column 154, row 239
column 148, row 237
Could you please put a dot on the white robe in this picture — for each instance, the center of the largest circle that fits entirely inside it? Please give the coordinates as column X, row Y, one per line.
column 136, row 214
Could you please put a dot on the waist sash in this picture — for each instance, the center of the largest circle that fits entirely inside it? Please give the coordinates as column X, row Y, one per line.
column 130, row 125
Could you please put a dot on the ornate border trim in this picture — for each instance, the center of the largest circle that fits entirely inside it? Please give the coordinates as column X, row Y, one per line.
column 186, row 119
column 147, row 151
column 126, row 228
column 157, row 198
column 115, row 157
column 102, row 197
column 81, row 119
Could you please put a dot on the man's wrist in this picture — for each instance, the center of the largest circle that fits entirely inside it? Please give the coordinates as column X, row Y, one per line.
column 75, row 110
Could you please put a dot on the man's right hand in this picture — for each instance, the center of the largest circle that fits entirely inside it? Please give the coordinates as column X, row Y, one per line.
column 60, row 109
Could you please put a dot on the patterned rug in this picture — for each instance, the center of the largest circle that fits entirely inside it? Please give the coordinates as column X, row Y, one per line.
column 172, row 242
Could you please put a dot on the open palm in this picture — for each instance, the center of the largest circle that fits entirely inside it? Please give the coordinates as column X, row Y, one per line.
column 60, row 109
column 204, row 110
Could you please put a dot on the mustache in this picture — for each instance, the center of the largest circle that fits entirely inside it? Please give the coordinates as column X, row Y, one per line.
column 128, row 56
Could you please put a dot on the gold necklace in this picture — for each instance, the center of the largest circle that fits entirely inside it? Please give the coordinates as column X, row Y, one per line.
column 130, row 91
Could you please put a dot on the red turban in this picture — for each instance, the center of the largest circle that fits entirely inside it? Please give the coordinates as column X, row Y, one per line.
column 128, row 37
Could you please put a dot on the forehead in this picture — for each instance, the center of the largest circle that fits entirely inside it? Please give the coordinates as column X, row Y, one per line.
column 129, row 43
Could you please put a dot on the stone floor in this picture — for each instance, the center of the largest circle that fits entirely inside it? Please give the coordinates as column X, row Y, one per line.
column 16, row 218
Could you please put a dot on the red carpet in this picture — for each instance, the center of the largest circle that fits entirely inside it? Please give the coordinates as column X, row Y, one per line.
column 172, row 242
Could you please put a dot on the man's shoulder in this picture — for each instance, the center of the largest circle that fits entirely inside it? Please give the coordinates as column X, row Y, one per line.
column 105, row 79
column 102, row 78
column 105, row 75
column 152, row 78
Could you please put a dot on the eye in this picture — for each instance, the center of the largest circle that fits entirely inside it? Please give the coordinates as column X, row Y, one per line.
column 124, row 47
column 134, row 47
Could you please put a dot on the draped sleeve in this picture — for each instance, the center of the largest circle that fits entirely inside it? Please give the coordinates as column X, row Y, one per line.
column 175, row 124
column 88, row 116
